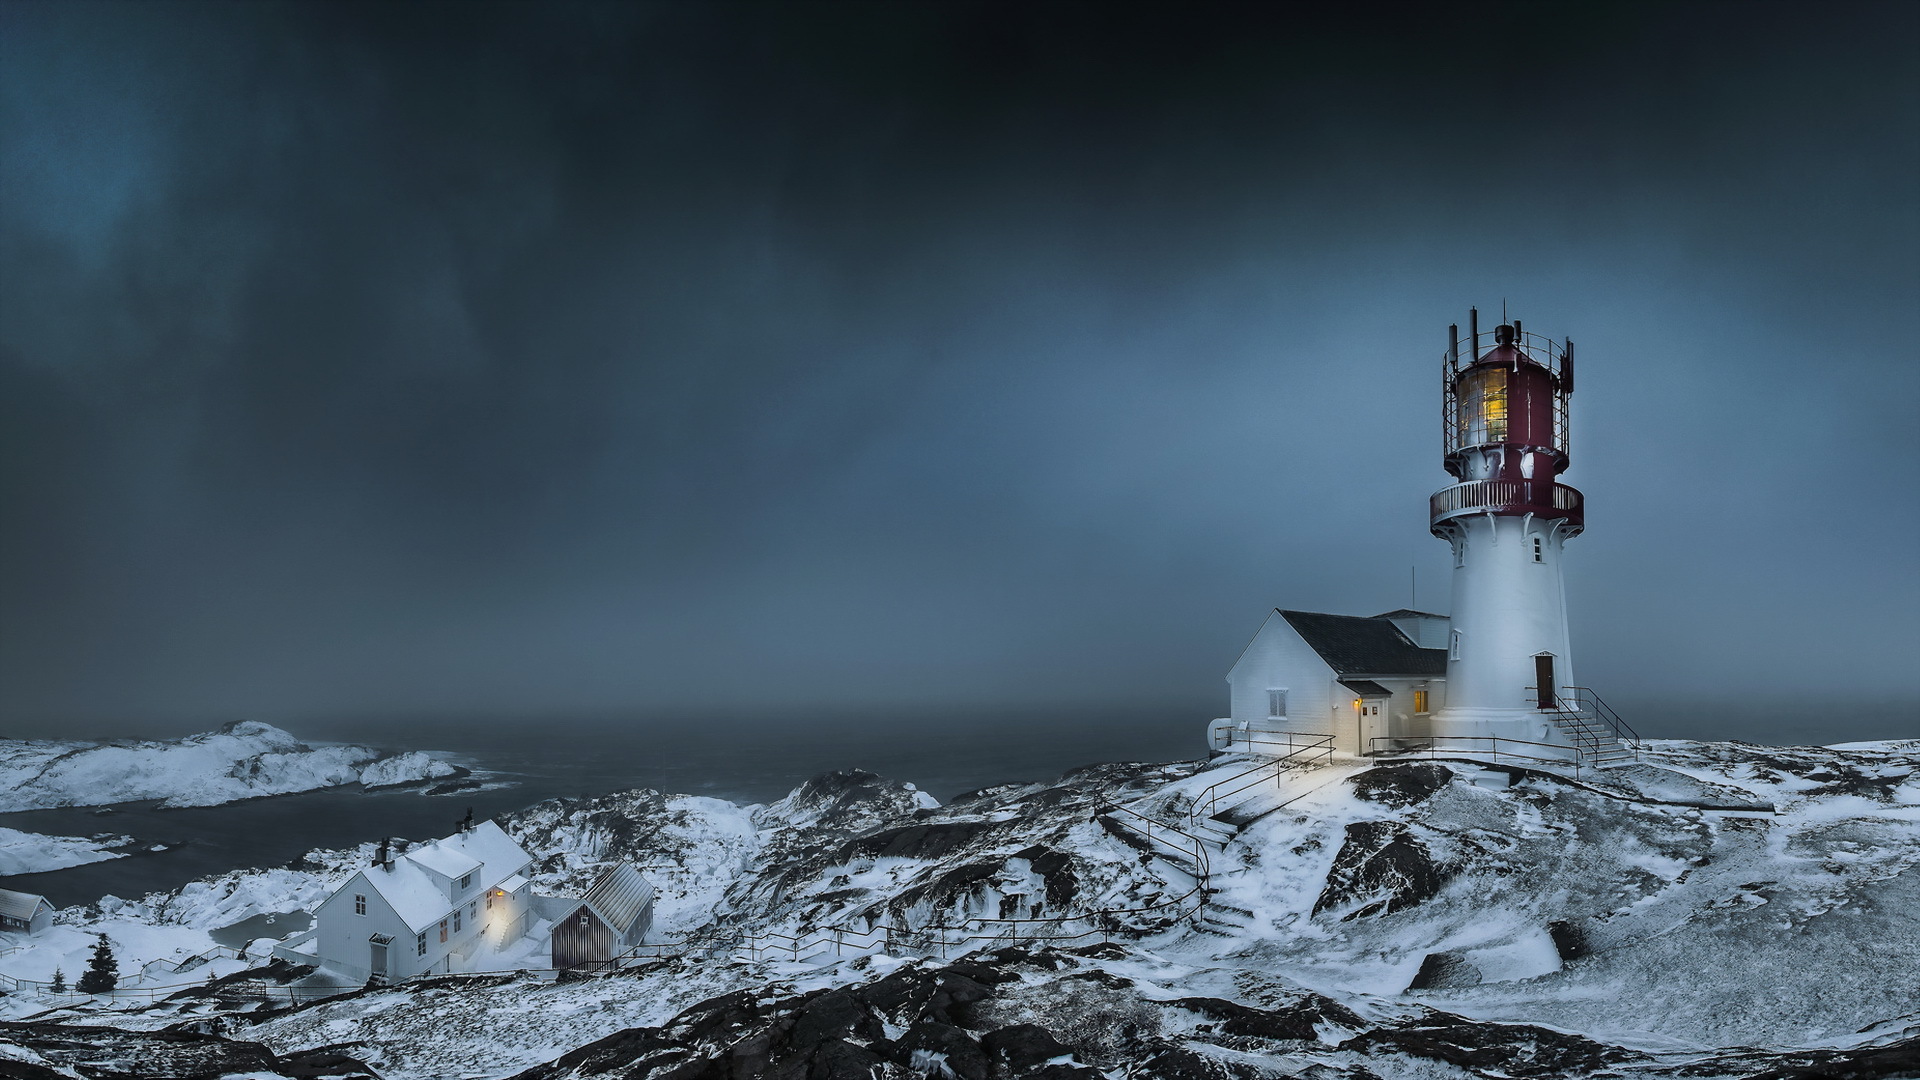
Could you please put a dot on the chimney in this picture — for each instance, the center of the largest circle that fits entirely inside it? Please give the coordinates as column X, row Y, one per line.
column 381, row 858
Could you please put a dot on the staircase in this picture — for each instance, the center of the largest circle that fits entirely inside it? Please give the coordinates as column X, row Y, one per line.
column 1222, row 919
column 1603, row 737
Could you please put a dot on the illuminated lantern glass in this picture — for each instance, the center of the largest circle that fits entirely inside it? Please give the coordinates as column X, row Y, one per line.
column 1481, row 406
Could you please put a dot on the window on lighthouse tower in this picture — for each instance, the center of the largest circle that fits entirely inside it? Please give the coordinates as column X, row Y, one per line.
column 1536, row 550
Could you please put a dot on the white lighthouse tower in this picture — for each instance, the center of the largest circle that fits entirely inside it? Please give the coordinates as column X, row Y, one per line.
column 1510, row 674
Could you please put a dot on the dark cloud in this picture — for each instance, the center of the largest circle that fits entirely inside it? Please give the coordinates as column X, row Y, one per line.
column 367, row 358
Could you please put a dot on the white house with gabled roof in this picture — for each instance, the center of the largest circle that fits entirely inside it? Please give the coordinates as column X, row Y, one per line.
column 425, row 910
column 24, row 913
column 1370, row 682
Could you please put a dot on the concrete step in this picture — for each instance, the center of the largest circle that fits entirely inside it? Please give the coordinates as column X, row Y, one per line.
column 1217, row 833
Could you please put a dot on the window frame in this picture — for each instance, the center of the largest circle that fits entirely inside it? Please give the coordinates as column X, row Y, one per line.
column 359, row 904
column 1276, row 695
column 1422, row 702
column 420, row 944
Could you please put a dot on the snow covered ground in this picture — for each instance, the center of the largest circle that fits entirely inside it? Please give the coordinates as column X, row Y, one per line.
column 1719, row 909
column 243, row 760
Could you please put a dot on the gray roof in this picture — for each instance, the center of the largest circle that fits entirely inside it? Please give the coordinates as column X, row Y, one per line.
column 619, row 896
column 1366, row 688
column 1409, row 613
column 20, row 905
column 1352, row 645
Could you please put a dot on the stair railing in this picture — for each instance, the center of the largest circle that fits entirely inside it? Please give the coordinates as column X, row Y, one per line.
column 1586, row 700
column 1304, row 750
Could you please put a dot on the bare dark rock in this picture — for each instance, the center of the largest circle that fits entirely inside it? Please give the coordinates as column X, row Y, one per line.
column 1401, row 785
column 1383, row 868
column 1515, row 1050
column 1900, row 1061
column 1169, row 1061
column 1569, row 939
column 1056, row 869
column 838, row 1059
column 1234, row 1018
column 962, row 1053
column 1445, row 971
column 835, row 1014
column 1023, row 1046
column 928, row 840
column 102, row 1053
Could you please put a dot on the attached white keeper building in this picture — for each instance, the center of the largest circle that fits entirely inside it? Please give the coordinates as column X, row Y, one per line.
column 1368, row 682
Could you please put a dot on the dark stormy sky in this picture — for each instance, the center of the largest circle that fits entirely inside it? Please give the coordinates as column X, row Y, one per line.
column 416, row 359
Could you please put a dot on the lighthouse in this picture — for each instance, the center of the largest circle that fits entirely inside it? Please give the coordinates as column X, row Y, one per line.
column 1510, row 671
column 1495, row 677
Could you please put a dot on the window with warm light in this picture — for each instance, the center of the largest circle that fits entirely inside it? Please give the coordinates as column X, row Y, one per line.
column 1419, row 701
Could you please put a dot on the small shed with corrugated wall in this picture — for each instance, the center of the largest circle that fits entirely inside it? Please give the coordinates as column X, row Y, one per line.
column 613, row 917
column 24, row 913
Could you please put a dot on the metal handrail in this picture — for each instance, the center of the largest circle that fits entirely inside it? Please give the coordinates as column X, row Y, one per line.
column 1434, row 750
column 1585, row 702
column 1586, row 696
column 1318, row 750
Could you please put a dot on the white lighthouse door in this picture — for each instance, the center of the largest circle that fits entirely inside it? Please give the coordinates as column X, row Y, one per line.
column 1373, row 726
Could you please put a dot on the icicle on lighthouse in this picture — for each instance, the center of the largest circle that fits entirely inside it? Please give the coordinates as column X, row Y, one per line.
column 1510, row 672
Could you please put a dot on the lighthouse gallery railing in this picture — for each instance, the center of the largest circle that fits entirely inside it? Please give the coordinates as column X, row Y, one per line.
column 1544, row 497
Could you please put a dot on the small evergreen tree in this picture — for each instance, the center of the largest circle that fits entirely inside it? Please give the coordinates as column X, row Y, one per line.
column 101, row 975
column 59, row 983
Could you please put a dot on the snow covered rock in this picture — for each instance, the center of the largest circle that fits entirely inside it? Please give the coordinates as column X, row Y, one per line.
column 242, row 760
column 1717, row 911
column 31, row 853
column 412, row 767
